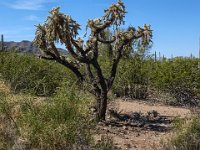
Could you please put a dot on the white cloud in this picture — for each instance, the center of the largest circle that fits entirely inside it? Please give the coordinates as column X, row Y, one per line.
column 32, row 18
column 29, row 4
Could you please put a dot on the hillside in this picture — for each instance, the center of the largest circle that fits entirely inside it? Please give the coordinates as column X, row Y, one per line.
column 25, row 46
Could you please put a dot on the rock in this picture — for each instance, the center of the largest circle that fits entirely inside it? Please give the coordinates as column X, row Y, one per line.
column 106, row 129
column 101, row 124
column 127, row 145
column 125, row 127
column 135, row 146
column 126, row 137
column 138, row 135
column 110, row 126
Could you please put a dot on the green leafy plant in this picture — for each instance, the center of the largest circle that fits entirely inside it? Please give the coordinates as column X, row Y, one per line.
column 58, row 122
column 26, row 73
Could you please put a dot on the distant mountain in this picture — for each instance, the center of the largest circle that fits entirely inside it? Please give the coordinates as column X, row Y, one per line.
column 26, row 47
column 23, row 46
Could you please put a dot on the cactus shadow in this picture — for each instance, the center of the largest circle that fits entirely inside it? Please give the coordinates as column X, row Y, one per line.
column 151, row 121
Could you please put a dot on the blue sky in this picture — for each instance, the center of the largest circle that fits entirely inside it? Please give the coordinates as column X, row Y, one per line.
column 176, row 23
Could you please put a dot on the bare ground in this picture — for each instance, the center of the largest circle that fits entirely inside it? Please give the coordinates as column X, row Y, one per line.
column 147, row 136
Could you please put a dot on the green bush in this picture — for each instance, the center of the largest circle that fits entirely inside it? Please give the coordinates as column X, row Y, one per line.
column 26, row 73
column 59, row 122
column 187, row 135
column 8, row 128
column 180, row 77
column 176, row 72
column 132, row 78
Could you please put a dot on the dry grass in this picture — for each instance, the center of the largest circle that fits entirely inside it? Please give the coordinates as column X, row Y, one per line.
column 4, row 88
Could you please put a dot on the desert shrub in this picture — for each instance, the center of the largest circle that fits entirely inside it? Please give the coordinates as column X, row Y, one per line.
column 133, row 78
column 62, row 120
column 26, row 73
column 58, row 122
column 180, row 77
column 8, row 128
column 187, row 135
column 176, row 72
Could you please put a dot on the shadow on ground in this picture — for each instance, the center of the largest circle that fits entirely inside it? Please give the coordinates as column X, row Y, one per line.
column 151, row 121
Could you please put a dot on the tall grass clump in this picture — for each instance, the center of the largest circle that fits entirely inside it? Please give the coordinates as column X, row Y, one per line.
column 8, row 127
column 187, row 135
column 26, row 73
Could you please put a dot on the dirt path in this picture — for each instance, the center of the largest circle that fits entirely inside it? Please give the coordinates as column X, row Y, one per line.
column 144, row 138
column 142, row 106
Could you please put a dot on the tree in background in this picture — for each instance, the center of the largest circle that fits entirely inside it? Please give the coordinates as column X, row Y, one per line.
column 62, row 28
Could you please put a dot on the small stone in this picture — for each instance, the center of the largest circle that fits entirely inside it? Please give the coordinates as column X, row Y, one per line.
column 101, row 123
column 125, row 128
column 122, row 134
column 127, row 145
column 126, row 137
column 138, row 135
column 105, row 128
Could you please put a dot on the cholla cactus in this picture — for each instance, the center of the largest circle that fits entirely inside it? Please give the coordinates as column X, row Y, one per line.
column 62, row 28
column 115, row 13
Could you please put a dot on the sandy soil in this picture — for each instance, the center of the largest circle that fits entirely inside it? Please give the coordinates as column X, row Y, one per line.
column 136, row 138
column 142, row 106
